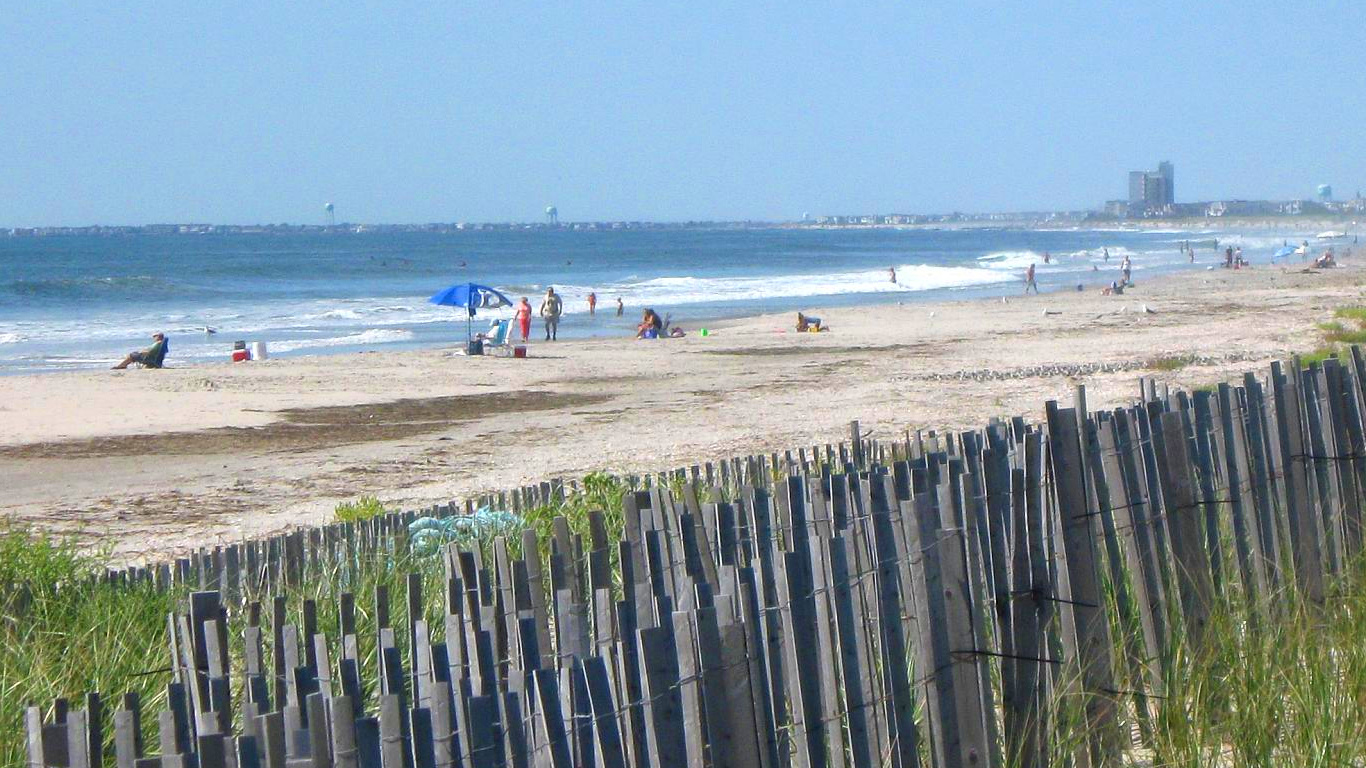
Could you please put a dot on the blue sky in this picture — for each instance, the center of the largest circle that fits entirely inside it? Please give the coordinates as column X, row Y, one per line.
column 463, row 111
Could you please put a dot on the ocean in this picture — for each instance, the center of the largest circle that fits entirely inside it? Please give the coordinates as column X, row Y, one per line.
column 70, row 302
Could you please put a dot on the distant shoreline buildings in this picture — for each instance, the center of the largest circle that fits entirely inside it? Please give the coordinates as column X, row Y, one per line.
column 1152, row 195
column 356, row 229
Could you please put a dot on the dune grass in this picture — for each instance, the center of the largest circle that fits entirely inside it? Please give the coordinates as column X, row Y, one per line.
column 1346, row 337
column 63, row 634
column 1318, row 355
column 1356, row 314
column 1283, row 690
column 363, row 508
column 1347, row 329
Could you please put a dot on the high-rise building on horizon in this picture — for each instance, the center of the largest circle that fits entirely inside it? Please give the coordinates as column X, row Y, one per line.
column 1152, row 191
column 1168, row 174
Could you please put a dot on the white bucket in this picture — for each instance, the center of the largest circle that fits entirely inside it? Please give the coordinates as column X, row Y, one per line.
column 258, row 350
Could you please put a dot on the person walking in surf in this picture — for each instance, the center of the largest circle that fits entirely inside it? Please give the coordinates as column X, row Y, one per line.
column 551, row 309
column 1029, row 280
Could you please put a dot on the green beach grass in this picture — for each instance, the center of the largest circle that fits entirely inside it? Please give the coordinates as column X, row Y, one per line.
column 64, row 634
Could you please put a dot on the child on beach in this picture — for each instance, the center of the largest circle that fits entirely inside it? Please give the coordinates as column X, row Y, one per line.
column 807, row 323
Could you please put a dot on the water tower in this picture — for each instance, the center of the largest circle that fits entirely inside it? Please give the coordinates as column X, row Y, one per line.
column 331, row 214
column 1325, row 193
column 552, row 215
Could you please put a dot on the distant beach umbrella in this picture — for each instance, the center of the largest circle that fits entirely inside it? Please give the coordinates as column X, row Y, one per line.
column 1281, row 253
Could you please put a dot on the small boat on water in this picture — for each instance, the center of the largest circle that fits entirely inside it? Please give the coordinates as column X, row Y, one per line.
column 1331, row 234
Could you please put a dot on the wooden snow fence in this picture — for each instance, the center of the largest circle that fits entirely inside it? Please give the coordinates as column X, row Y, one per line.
column 924, row 601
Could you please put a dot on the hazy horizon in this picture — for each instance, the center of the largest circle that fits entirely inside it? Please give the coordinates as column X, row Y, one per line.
column 396, row 113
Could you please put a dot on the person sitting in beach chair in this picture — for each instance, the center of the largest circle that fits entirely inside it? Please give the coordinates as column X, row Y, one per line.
column 809, row 324
column 151, row 357
column 496, row 338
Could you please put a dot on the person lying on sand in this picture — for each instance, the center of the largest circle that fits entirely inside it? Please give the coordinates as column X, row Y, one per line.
column 806, row 323
column 151, row 357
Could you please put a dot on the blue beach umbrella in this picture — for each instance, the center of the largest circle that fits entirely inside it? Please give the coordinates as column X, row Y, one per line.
column 1281, row 253
column 471, row 296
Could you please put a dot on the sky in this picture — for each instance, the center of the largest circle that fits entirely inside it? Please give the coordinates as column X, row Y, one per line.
column 258, row 112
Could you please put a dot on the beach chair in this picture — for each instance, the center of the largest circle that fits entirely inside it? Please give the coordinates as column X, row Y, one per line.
column 498, row 338
column 156, row 355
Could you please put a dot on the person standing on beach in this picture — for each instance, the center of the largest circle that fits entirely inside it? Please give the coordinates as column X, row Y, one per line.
column 620, row 307
column 551, row 309
column 1107, row 255
column 1125, row 268
column 592, row 304
column 1029, row 280
column 523, row 318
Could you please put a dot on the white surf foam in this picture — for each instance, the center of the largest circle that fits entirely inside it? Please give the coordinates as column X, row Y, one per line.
column 1010, row 259
column 672, row 291
column 372, row 336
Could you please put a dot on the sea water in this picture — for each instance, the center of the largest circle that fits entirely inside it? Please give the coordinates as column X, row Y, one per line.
column 73, row 301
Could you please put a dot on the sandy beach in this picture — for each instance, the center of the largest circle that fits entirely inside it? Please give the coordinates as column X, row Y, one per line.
column 149, row 463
